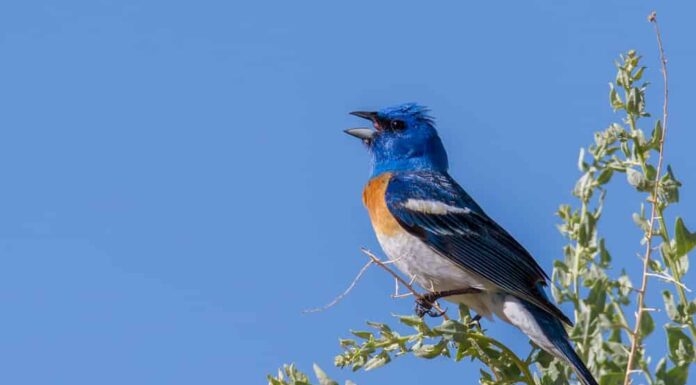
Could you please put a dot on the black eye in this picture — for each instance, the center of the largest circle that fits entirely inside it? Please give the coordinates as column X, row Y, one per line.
column 397, row 125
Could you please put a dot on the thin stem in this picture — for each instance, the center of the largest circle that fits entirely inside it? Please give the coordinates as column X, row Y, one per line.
column 636, row 337
column 345, row 292
column 579, row 250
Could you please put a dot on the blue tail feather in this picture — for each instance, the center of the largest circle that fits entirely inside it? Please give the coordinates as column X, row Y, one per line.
column 556, row 333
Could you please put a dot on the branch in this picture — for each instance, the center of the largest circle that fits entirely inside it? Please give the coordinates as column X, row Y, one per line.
column 636, row 337
column 345, row 292
column 398, row 278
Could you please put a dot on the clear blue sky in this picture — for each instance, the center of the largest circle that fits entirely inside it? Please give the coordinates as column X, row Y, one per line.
column 176, row 186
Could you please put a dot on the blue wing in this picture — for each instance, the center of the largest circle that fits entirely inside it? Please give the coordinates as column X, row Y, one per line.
column 468, row 237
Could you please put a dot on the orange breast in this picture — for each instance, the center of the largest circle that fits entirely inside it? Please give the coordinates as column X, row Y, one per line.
column 373, row 198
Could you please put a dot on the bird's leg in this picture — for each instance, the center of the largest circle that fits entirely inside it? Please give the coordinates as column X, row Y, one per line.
column 424, row 302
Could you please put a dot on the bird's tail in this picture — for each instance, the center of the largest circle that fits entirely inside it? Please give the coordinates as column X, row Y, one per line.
column 546, row 331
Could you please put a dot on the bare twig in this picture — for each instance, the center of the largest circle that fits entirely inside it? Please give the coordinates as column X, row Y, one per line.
column 667, row 278
column 636, row 337
column 345, row 293
column 398, row 278
column 396, row 289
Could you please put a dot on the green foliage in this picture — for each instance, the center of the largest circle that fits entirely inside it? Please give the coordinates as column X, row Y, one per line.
column 603, row 333
column 289, row 375
column 604, row 300
column 452, row 339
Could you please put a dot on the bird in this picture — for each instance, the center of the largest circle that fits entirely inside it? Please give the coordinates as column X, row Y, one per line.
column 435, row 233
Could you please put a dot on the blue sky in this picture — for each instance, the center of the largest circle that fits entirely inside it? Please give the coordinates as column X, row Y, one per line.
column 177, row 187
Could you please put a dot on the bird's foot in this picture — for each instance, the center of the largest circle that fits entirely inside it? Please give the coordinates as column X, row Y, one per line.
column 425, row 302
column 424, row 305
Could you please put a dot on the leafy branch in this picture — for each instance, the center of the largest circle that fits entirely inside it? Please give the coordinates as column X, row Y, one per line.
column 657, row 208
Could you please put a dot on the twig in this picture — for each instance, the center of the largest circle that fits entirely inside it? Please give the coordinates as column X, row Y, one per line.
column 636, row 337
column 396, row 291
column 667, row 278
column 345, row 293
column 398, row 278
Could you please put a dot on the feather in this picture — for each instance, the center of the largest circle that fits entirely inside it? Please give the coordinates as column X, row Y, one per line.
column 465, row 234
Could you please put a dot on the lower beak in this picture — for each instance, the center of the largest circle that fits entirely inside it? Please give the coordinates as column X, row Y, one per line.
column 362, row 133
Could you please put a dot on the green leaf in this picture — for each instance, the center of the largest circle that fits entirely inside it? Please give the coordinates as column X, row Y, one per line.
column 656, row 136
column 614, row 98
column 670, row 306
column 605, row 176
column 361, row 334
column 636, row 179
column 289, row 375
column 684, row 240
column 560, row 265
column 430, row 351
column 632, row 101
column 639, row 74
column 452, row 329
column 597, row 297
column 641, row 222
column 669, row 186
column 322, row 377
column 377, row 361
column 412, row 320
column 384, row 328
column 625, row 284
column 583, row 187
column 681, row 348
column 543, row 358
column 677, row 375
column 682, row 264
column 582, row 165
column 661, row 371
column 464, row 313
column 604, row 256
column 647, row 325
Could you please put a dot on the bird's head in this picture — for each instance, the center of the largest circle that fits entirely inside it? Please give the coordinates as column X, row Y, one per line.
column 402, row 138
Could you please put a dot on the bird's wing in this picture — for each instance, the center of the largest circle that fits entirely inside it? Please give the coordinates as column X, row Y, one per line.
column 434, row 208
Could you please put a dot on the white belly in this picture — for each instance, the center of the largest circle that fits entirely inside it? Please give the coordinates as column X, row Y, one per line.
column 434, row 272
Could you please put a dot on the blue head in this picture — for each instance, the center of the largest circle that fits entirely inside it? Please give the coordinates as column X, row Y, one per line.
column 403, row 139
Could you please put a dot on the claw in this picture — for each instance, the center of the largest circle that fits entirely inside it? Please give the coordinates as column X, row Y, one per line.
column 436, row 313
column 424, row 305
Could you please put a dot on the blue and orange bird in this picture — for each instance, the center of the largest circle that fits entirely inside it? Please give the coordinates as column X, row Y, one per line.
column 436, row 233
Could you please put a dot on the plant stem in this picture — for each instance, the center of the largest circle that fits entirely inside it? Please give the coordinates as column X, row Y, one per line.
column 636, row 337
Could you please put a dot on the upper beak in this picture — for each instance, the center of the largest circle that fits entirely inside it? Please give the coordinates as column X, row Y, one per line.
column 365, row 115
column 363, row 133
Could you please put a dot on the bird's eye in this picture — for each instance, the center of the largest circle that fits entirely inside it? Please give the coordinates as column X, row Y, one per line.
column 397, row 125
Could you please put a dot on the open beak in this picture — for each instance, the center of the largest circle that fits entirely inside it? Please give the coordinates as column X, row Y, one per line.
column 363, row 133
